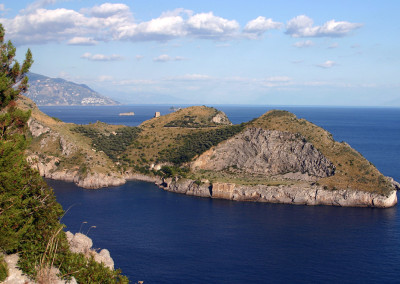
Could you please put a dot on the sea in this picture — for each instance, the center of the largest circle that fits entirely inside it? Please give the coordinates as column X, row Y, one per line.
column 162, row 237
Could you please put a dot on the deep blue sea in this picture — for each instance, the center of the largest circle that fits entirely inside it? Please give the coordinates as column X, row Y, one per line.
column 161, row 237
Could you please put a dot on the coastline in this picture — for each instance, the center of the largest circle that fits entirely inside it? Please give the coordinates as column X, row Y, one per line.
column 295, row 194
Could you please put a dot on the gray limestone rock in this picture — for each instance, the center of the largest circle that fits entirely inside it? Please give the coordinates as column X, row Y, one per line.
column 267, row 152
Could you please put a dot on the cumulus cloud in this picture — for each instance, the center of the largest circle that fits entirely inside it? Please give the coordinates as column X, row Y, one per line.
column 206, row 25
column 108, row 10
column 255, row 28
column 303, row 26
column 327, row 64
column 101, row 57
column 166, row 58
column 115, row 21
column 301, row 44
column 82, row 41
column 158, row 29
column 139, row 57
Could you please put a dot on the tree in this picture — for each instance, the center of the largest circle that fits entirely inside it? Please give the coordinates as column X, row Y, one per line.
column 29, row 212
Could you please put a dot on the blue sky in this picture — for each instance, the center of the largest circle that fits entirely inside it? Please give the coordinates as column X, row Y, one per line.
column 216, row 52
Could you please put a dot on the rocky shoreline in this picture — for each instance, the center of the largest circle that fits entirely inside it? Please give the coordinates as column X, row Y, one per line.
column 302, row 194
column 79, row 243
column 296, row 195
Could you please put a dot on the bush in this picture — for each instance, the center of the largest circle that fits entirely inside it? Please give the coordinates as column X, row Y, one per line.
column 112, row 145
column 197, row 143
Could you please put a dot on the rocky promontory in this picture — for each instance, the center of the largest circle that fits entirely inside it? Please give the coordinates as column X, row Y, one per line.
column 197, row 151
column 302, row 194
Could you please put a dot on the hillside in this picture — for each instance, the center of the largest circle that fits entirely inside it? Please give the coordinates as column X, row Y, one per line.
column 276, row 151
column 49, row 91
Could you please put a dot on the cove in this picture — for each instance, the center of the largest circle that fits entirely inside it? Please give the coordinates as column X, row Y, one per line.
column 162, row 237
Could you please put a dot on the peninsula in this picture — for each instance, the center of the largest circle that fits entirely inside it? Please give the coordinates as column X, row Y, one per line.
column 197, row 151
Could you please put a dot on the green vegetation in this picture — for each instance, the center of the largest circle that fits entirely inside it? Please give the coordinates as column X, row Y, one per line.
column 112, row 144
column 197, row 143
column 173, row 171
column 29, row 213
column 194, row 119
column 189, row 121
column 3, row 268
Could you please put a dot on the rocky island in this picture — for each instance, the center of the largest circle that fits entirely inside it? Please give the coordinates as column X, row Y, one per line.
column 197, row 151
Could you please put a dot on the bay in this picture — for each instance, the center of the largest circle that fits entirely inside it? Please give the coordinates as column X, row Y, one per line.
column 162, row 237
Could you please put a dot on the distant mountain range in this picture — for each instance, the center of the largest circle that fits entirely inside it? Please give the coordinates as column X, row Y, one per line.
column 46, row 91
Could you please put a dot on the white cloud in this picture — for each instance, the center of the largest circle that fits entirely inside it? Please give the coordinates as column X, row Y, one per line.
column 82, row 41
column 255, row 28
column 302, row 26
column 327, row 64
column 2, row 7
column 139, row 57
column 101, row 57
column 206, row 25
column 114, row 21
column 159, row 29
column 37, row 5
column 301, row 44
column 176, row 12
column 108, row 10
column 166, row 58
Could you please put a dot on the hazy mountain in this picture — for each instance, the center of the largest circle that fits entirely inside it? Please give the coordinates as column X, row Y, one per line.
column 55, row 91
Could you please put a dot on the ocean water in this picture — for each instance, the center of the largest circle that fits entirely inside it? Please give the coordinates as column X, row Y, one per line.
column 162, row 237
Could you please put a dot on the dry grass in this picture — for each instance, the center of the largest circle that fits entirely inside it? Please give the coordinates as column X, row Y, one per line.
column 46, row 273
column 155, row 137
column 352, row 169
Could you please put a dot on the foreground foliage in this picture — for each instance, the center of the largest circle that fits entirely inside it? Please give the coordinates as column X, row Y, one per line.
column 29, row 213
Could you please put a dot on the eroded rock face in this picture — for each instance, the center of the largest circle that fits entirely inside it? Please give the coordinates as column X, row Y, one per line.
column 300, row 194
column 80, row 243
column 221, row 118
column 267, row 152
column 37, row 128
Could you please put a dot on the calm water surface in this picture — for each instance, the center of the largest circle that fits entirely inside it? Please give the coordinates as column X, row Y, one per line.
column 162, row 237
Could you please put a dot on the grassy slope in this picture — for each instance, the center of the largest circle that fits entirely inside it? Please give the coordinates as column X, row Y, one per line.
column 155, row 138
column 84, row 157
column 352, row 169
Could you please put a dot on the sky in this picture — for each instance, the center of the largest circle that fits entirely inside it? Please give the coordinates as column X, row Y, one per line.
column 303, row 52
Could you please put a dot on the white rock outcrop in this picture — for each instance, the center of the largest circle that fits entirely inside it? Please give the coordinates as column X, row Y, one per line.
column 80, row 243
column 301, row 194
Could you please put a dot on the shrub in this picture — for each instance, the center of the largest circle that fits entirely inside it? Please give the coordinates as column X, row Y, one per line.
column 197, row 143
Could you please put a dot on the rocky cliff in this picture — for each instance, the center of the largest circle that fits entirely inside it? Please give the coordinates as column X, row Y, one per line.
column 267, row 152
column 301, row 194
column 58, row 153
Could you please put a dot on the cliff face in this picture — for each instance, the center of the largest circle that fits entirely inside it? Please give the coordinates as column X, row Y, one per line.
column 267, row 152
column 301, row 194
column 57, row 153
